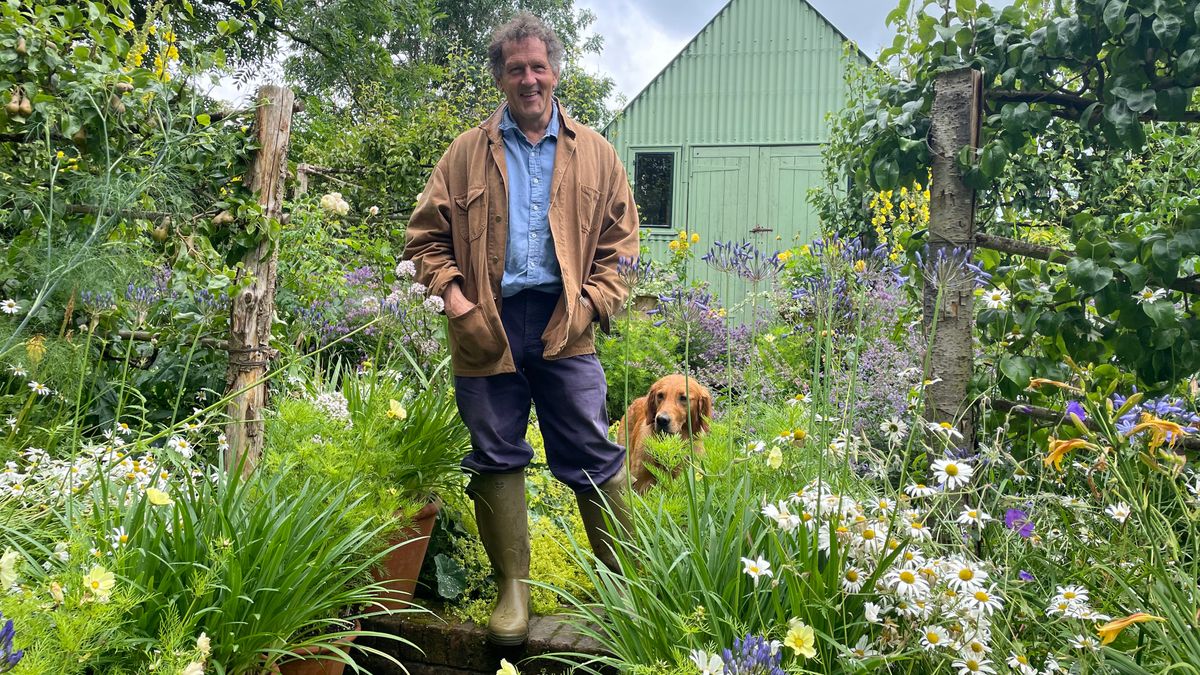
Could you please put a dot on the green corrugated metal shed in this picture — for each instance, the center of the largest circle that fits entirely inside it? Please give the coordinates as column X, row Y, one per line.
column 739, row 117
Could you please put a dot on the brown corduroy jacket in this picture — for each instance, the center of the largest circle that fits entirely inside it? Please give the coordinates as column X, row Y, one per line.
column 459, row 231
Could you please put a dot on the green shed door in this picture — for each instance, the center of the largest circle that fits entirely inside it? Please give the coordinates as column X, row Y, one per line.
column 788, row 172
column 722, row 187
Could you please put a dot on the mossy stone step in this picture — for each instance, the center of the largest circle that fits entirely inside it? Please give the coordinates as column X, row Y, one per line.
column 449, row 647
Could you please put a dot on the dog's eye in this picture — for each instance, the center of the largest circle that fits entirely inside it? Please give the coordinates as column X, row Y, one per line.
column 661, row 396
column 683, row 398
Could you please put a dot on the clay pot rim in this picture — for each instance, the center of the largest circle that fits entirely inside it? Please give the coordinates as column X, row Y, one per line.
column 317, row 649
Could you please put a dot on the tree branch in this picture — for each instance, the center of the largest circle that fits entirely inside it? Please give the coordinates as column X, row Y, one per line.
column 1078, row 104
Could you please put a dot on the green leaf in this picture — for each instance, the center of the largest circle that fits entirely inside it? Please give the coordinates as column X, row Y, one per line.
column 1187, row 65
column 964, row 7
column 993, row 159
column 1139, row 101
column 451, row 576
column 1018, row 369
column 886, row 172
column 204, row 119
column 1087, row 275
column 1161, row 312
column 1114, row 16
column 1096, row 250
column 1172, row 102
column 1136, row 273
column 1166, row 28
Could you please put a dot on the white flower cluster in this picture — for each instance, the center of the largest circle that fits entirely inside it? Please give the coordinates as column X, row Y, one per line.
column 334, row 203
column 334, row 404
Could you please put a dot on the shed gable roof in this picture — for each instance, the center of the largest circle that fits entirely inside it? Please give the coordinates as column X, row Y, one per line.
column 780, row 54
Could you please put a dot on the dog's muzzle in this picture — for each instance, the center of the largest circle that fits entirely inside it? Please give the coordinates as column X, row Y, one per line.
column 662, row 423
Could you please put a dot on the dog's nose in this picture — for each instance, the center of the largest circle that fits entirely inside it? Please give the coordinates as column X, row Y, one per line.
column 662, row 421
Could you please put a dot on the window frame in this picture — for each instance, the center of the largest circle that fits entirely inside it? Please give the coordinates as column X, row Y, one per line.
column 676, row 153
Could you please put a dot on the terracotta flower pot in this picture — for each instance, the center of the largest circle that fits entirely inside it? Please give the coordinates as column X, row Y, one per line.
column 316, row 666
column 400, row 568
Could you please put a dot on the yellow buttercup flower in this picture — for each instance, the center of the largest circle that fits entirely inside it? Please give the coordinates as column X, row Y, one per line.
column 1109, row 631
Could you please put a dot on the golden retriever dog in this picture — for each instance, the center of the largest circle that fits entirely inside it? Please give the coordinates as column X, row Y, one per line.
column 676, row 404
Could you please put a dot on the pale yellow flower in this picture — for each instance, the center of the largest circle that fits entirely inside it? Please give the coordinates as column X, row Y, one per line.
column 775, row 458
column 158, row 497
column 100, row 583
column 8, row 568
column 507, row 668
column 193, row 668
column 396, row 411
column 801, row 639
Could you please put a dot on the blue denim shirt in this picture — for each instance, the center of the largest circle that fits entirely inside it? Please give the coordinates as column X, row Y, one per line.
column 529, row 259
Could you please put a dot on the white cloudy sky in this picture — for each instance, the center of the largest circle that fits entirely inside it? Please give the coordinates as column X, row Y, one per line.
column 642, row 36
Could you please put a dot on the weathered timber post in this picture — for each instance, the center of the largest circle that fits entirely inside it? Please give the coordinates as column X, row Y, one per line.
column 955, row 120
column 253, row 308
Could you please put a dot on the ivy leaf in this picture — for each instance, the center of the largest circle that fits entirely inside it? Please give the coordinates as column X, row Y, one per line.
column 1172, row 102
column 1096, row 250
column 1087, row 275
column 1114, row 16
column 1187, row 65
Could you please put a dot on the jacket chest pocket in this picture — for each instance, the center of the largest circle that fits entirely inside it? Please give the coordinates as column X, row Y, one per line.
column 589, row 208
column 471, row 209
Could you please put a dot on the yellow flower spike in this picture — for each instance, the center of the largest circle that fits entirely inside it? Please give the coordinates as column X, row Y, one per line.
column 1058, row 449
column 1159, row 430
column 1109, row 631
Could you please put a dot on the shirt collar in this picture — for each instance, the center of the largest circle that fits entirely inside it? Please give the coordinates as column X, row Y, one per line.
column 507, row 123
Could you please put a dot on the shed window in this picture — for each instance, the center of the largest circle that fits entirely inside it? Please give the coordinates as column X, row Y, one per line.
column 653, row 179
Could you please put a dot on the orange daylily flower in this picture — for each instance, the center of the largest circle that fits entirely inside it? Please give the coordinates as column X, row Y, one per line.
column 1158, row 428
column 1109, row 631
column 1036, row 383
column 1058, row 449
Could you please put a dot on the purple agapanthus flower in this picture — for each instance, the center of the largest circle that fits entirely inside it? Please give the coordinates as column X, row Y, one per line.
column 1016, row 519
column 1076, row 408
column 1025, row 576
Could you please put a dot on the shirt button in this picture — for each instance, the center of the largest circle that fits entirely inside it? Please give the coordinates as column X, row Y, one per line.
column 495, row 258
column 497, row 219
column 536, row 181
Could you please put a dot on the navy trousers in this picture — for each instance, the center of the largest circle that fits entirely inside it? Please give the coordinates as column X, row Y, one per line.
column 569, row 395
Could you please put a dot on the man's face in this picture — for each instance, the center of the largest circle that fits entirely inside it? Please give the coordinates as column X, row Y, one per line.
column 528, row 82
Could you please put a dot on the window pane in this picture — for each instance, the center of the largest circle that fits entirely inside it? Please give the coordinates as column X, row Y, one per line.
column 655, row 174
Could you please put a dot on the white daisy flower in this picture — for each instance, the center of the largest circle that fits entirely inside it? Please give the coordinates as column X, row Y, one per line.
column 919, row 490
column 17, row 371
column 984, row 601
column 863, row 649
column 9, row 306
column 873, row 612
column 1072, row 593
column 934, row 637
column 119, row 537
column 784, row 519
column 917, row 529
column 1085, row 642
column 964, row 576
column 997, row 298
column 975, row 648
column 952, row 473
column 1020, row 663
column 973, row 516
column 709, row 664
column 182, row 446
column 908, row 583
column 893, row 430
column 969, row 664
column 1149, row 295
column 853, row 580
column 1119, row 512
column 39, row 388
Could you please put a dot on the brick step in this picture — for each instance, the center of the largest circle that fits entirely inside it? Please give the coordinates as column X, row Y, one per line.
column 449, row 647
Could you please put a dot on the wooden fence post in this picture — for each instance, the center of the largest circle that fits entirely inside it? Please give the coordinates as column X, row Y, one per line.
column 253, row 308
column 955, row 120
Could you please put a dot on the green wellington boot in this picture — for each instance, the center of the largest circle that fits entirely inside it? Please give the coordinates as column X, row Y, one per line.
column 592, row 510
column 503, row 522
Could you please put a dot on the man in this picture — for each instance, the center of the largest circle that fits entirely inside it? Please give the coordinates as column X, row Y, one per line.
column 519, row 230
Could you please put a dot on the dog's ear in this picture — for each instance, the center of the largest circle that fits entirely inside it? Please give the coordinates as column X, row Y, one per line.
column 651, row 405
column 702, row 410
